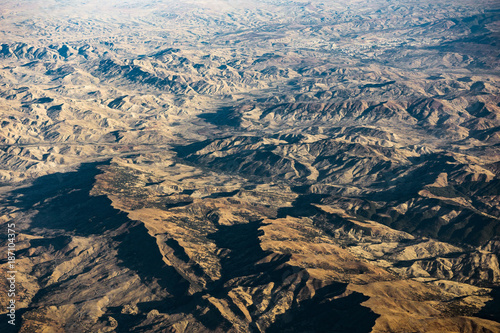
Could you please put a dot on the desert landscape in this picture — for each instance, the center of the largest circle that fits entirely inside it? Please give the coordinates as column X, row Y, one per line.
column 250, row 166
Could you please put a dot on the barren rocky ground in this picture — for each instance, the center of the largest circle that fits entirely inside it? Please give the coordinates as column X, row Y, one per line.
column 251, row 166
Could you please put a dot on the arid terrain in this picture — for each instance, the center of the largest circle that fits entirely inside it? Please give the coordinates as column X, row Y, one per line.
column 250, row 166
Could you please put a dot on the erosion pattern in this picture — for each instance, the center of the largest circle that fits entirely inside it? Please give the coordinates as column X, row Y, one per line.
column 251, row 166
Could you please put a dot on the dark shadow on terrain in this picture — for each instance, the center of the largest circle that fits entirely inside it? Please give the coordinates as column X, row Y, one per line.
column 179, row 251
column 225, row 116
column 241, row 241
column 178, row 204
column 183, row 151
column 377, row 85
column 471, row 227
column 126, row 321
column 55, row 107
column 65, row 208
column 64, row 204
column 195, row 305
column 240, row 261
column 302, row 206
column 322, row 313
column 316, row 314
column 117, row 103
column 223, row 194
column 187, row 192
column 5, row 327
column 407, row 187
column 491, row 310
column 56, row 243
column 409, row 263
column 138, row 251
column 290, row 138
